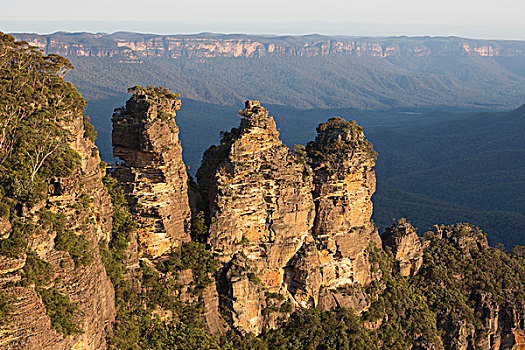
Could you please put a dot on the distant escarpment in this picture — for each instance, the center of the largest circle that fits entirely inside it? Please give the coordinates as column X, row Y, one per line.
column 136, row 47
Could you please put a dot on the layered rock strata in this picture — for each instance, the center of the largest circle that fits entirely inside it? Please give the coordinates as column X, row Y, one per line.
column 132, row 47
column 342, row 161
column 87, row 286
column 146, row 138
column 261, row 211
column 271, row 237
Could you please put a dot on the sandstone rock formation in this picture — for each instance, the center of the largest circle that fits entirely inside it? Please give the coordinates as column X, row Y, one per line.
column 266, row 229
column 87, row 286
column 261, row 210
column 145, row 137
column 406, row 246
column 342, row 161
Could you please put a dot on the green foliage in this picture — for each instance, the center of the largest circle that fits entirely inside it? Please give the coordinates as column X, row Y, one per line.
column 453, row 279
column 77, row 247
column 403, row 309
column 60, row 310
column 199, row 229
column 252, row 277
column 37, row 271
column 315, row 329
column 235, row 341
column 114, row 256
column 16, row 243
column 338, row 140
column 89, row 129
column 123, row 224
column 5, row 307
column 194, row 256
column 276, row 296
column 35, row 102
column 153, row 91
column 4, row 210
column 518, row 251
column 170, row 335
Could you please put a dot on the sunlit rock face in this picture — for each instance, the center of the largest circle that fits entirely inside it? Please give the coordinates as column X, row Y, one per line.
column 342, row 161
column 146, row 138
column 406, row 246
column 261, row 207
column 289, row 223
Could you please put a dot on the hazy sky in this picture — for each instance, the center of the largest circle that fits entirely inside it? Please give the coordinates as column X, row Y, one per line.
column 471, row 18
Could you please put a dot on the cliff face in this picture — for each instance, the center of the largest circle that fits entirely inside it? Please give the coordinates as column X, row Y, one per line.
column 342, row 162
column 145, row 137
column 85, row 284
column 269, row 234
column 135, row 47
column 261, row 211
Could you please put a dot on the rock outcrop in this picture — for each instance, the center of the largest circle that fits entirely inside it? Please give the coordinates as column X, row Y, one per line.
column 84, row 208
column 154, row 176
column 406, row 246
column 465, row 237
column 266, row 229
column 342, row 161
column 261, row 211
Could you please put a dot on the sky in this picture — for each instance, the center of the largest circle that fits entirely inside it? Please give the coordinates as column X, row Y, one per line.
column 489, row 19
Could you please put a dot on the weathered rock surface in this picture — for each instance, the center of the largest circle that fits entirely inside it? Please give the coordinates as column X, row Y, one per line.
column 406, row 246
column 28, row 326
column 263, row 219
column 342, row 161
column 145, row 137
column 303, row 275
column 260, row 206
column 5, row 227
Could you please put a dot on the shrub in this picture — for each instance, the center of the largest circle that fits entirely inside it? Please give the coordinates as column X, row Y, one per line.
column 60, row 310
column 36, row 270
column 89, row 129
column 5, row 307
column 77, row 247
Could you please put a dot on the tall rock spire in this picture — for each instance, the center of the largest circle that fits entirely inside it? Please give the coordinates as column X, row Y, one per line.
column 146, row 138
column 342, row 161
column 261, row 213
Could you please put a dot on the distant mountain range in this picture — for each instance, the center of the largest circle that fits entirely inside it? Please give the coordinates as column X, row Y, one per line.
column 311, row 71
column 136, row 47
